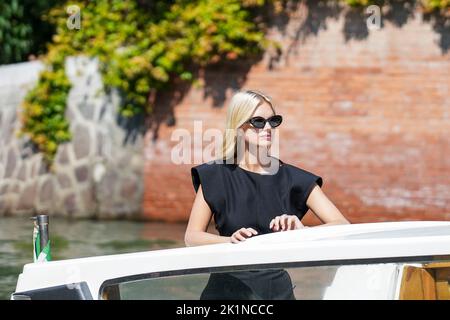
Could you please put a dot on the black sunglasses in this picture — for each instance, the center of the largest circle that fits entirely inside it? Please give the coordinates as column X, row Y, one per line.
column 260, row 122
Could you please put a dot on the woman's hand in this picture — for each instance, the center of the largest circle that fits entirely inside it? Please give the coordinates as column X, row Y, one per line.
column 285, row 222
column 242, row 234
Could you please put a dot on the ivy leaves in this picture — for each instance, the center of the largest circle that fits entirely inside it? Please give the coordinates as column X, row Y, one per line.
column 140, row 50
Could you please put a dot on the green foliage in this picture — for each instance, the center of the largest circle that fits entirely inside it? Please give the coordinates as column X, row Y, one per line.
column 43, row 112
column 359, row 3
column 141, row 48
column 436, row 4
column 23, row 29
column 426, row 4
column 14, row 33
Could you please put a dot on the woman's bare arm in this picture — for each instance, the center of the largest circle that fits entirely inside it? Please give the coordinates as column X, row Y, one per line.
column 324, row 209
column 196, row 231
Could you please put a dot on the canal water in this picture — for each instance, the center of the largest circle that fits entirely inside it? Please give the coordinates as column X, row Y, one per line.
column 79, row 238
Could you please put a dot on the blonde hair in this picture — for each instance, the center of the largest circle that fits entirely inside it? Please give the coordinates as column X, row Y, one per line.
column 241, row 107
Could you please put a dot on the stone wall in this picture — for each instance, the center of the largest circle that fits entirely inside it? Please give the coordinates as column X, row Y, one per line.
column 368, row 110
column 97, row 175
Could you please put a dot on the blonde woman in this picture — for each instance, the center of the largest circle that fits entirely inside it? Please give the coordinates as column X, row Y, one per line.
column 250, row 196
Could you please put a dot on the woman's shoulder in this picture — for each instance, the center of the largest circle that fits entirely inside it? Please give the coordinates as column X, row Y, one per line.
column 210, row 166
column 214, row 170
column 301, row 175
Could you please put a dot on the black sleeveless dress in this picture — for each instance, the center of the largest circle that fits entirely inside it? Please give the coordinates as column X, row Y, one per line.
column 239, row 198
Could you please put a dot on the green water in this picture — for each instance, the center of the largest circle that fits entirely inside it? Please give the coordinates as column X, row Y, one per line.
column 76, row 239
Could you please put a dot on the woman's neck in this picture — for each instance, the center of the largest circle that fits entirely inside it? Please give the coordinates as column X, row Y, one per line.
column 254, row 162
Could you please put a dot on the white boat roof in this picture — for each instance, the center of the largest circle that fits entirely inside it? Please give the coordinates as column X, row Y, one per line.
column 354, row 243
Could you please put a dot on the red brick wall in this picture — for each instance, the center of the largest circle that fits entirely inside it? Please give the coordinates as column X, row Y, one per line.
column 371, row 116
